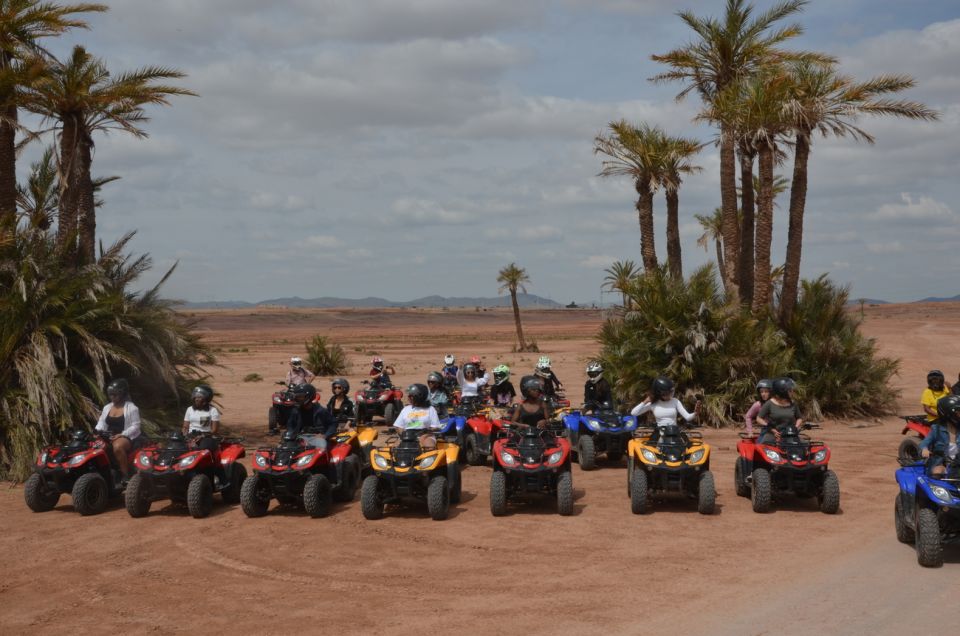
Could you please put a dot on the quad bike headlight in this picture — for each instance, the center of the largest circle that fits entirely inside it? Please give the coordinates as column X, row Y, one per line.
column 696, row 456
column 507, row 458
column 381, row 461
column 554, row 457
column 941, row 493
column 188, row 462
column 427, row 462
column 593, row 425
column 261, row 461
column 306, row 459
column 649, row 455
column 78, row 459
column 820, row 455
column 772, row 455
column 144, row 460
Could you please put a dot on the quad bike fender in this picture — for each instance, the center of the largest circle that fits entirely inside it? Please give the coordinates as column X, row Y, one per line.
column 451, row 452
column 95, row 457
column 480, row 425
column 907, row 478
column 230, row 453
column 340, row 452
column 920, row 429
column 746, row 448
column 366, row 435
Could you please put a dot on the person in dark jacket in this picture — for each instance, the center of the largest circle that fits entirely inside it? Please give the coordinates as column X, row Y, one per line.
column 310, row 420
column 937, row 443
column 340, row 405
column 596, row 390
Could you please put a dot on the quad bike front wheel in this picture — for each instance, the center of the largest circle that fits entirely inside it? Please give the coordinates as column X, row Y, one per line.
column 390, row 413
column 760, row 491
column 317, row 496
column 200, row 496
column 39, row 498
column 565, row 493
column 238, row 475
column 587, row 452
column 829, row 496
column 929, row 545
column 371, row 499
column 255, row 496
column 740, row 478
column 638, row 491
column 498, row 493
column 905, row 533
column 349, row 481
column 472, row 452
column 438, row 498
column 909, row 451
column 137, row 496
column 456, row 487
column 90, row 494
column 706, row 494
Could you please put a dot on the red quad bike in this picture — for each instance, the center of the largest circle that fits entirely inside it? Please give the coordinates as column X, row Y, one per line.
column 299, row 474
column 376, row 399
column 80, row 467
column 181, row 471
column 794, row 464
column 280, row 409
column 479, row 432
column 909, row 451
column 530, row 460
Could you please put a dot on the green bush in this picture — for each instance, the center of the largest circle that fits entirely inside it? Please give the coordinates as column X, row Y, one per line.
column 253, row 377
column 325, row 358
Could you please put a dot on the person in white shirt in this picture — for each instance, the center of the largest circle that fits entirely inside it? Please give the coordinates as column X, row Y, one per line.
column 666, row 408
column 419, row 414
column 121, row 420
column 202, row 419
column 469, row 382
column 298, row 374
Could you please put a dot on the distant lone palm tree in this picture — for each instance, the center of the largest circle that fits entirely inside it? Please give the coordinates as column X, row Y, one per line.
column 512, row 278
column 618, row 276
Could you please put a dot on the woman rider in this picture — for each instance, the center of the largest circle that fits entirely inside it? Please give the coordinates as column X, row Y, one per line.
column 532, row 410
column 340, row 405
column 203, row 418
column 121, row 420
column 780, row 411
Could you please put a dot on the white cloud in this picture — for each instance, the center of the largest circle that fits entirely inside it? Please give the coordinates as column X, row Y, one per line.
column 893, row 247
column 911, row 210
column 598, row 261
column 322, row 240
column 424, row 213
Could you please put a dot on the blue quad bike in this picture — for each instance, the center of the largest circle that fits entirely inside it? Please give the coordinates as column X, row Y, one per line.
column 602, row 430
column 927, row 510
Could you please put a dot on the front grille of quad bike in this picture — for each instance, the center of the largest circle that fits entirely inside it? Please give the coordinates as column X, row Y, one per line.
column 672, row 450
column 609, row 420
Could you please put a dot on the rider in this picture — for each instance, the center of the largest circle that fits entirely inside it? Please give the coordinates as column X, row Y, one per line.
column 596, row 390
column 532, row 411
column 121, row 419
column 937, row 443
column 502, row 392
column 779, row 411
column 936, row 389
column 419, row 414
column 449, row 372
column 664, row 406
column 203, row 417
column 469, row 382
column 763, row 394
column 380, row 374
column 436, row 395
column 551, row 383
column 309, row 419
column 340, row 405
column 475, row 361
column 298, row 374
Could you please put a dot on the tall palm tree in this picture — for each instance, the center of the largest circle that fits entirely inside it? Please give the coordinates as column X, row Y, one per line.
column 513, row 278
column 748, row 188
column 81, row 97
column 23, row 23
column 618, row 276
column 676, row 162
column 826, row 102
column 725, row 52
column 712, row 230
column 636, row 152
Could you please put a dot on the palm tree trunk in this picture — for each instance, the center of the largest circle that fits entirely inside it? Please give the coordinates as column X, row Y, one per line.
column 798, row 202
column 86, row 207
column 648, row 246
column 720, row 259
column 67, row 213
column 673, row 234
column 746, row 226
column 516, row 319
column 728, row 203
column 761, row 277
column 8, row 156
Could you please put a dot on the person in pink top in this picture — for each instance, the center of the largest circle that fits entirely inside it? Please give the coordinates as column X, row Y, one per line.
column 763, row 394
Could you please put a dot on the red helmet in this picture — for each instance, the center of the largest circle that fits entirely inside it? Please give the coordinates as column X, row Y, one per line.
column 377, row 362
column 475, row 360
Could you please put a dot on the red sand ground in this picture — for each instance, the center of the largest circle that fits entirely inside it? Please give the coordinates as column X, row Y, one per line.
column 603, row 570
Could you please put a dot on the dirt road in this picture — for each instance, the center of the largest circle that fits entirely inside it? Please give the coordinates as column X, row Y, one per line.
column 602, row 570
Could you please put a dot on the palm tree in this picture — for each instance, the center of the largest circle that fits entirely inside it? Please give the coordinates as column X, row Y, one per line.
column 637, row 152
column 512, row 279
column 22, row 24
column 725, row 52
column 712, row 230
column 618, row 276
column 38, row 199
column 828, row 103
column 81, row 98
column 676, row 162
column 748, row 189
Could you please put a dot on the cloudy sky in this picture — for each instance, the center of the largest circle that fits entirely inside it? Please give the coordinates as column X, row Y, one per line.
column 401, row 148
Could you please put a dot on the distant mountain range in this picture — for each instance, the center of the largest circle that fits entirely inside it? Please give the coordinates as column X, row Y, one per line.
column 326, row 302
column 932, row 299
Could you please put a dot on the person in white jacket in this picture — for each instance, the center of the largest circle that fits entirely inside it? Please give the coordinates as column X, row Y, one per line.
column 469, row 382
column 666, row 408
column 121, row 420
column 420, row 415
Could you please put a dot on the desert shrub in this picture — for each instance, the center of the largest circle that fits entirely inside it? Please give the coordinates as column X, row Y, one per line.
column 324, row 357
column 253, row 377
column 65, row 331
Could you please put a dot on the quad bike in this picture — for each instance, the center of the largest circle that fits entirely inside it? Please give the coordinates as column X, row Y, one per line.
column 909, row 450
column 80, row 467
column 530, row 460
column 675, row 461
column 407, row 471
column 360, row 440
column 295, row 472
column 181, row 471
column 794, row 464
column 601, row 431
column 376, row 399
column 927, row 509
column 558, row 401
column 479, row 431
column 283, row 402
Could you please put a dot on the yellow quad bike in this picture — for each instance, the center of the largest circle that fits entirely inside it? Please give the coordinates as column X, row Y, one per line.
column 407, row 471
column 675, row 461
column 360, row 439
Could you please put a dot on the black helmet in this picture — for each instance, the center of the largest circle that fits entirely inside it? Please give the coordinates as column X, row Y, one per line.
column 935, row 380
column 948, row 409
column 469, row 367
column 307, row 391
column 661, row 387
column 418, row 394
column 530, row 383
column 433, row 376
column 202, row 391
column 765, row 383
column 342, row 383
column 782, row 387
column 118, row 387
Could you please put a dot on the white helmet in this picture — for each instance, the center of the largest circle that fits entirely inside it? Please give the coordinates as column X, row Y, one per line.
column 296, row 361
column 594, row 371
column 449, row 359
column 543, row 363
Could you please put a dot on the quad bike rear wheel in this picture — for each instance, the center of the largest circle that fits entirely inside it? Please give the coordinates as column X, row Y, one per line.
column 317, row 496
column 740, row 478
column 137, row 496
column 349, row 480
column 200, row 496
column 706, row 494
column 273, row 419
column 909, row 451
column 498, row 493
column 238, row 475
column 929, row 546
column 829, row 495
column 90, row 494
column 905, row 533
column 565, row 493
column 390, row 413
column 438, row 498
column 586, row 453
column 638, row 491
column 38, row 497
column 255, row 496
column 371, row 499
column 472, row 451
column 760, row 490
